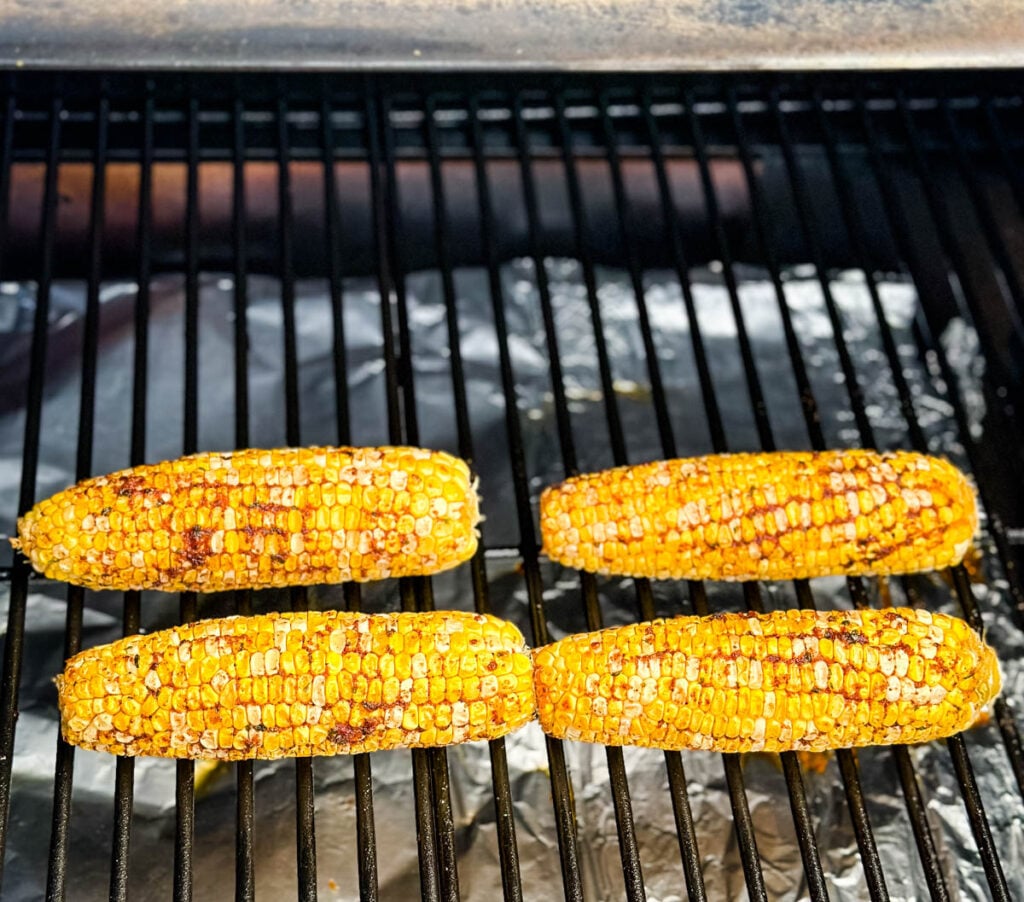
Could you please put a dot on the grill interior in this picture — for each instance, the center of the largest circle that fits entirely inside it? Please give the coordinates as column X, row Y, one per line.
column 575, row 272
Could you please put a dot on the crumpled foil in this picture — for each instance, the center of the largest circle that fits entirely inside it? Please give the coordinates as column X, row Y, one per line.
column 152, row 839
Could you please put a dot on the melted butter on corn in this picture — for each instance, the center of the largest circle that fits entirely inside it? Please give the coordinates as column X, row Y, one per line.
column 312, row 683
column 782, row 515
column 788, row 680
column 258, row 518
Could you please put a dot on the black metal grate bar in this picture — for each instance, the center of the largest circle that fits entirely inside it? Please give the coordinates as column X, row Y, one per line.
column 379, row 190
column 333, row 225
column 976, row 813
column 305, row 847
column 628, row 848
column 901, row 229
column 919, row 823
column 1011, row 170
column 561, row 787
column 405, row 401
column 508, row 851
column 6, row 158
column 856, row 231
column 245, row 803
column 979, row 823
column 366, row 837
column 942, row 218
column 15, row 635
column 398, row 385
column 124, row 779
column 417, row 592
column 983, row 211
column 791, row 770
column 184, row 788
column 1004, row 717
column 65, row 759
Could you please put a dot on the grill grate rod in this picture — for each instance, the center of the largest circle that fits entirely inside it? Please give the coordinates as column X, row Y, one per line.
column 366, row 835
column 628, row 845
column 943, row 219
column 14, row 646
column 857, row 589
column 898, row 225
column 997, row 133
column 124, row 777
column 900, row 228
column 508, row 851
column 65, row 757
column 561, row 786
column 847, row 765
column 752, row 591
column 398, row 386
column 184, row 787
column 979, row 823
column 245, row 801
column 712, row 410
column 805, row 214
column 431, row 765
column 305, row 835
column 983, row 212
column 436, row 758
column 6, row 159
column 856, row 230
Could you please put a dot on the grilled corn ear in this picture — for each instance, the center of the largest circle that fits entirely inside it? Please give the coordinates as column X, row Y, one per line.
column 790, row 680
column 255, row 519
column 782, row 515
column 316, row 683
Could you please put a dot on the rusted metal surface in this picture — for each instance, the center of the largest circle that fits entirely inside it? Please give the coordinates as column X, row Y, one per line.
column 571, row 34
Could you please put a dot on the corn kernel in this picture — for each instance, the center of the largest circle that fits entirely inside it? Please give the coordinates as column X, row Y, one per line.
column 238, row 520
column 298, row 701
column 591, row 687
column 712, row 517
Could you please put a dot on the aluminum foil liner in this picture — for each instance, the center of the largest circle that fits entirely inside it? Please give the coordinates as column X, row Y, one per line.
column 478, row 862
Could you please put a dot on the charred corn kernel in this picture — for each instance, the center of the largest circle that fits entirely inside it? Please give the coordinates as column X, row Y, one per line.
column 767, row 682
column 207, row 715
column 254, row 519
column 783, row 515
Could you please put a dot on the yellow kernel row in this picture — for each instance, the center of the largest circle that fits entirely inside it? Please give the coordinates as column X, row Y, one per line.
column 783, row 515
column 311, row 683
column 256, row 519
column 326, row 683
column 789, row 680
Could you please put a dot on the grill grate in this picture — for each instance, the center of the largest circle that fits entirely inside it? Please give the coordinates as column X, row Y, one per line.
column 918, row 168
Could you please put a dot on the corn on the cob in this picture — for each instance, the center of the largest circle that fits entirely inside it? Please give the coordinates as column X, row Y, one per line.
column 254, row 518
column 773, row 682
column 784, row 515
column 316, row 683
